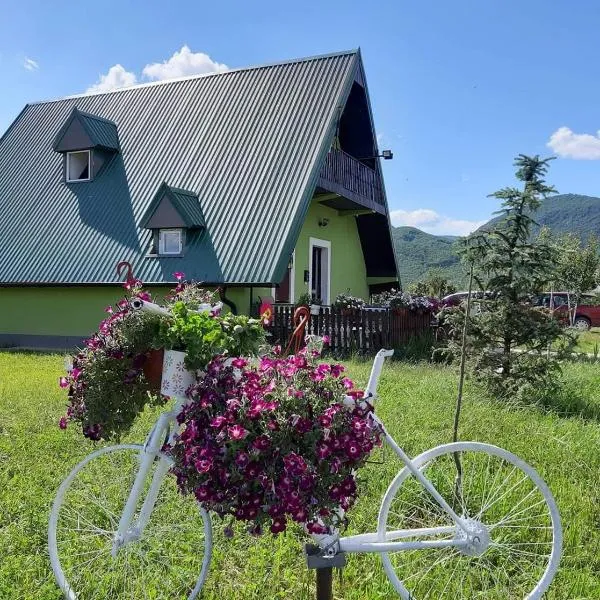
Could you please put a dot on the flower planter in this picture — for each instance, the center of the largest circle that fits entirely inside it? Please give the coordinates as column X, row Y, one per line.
column 176, row 379
column 315, row 309
column 153, row 368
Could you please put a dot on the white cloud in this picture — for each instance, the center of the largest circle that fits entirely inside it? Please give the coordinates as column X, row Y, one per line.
column 183, row 63
column 30, row 64
column 580, row 146
column 432, row 222
column 117, row 77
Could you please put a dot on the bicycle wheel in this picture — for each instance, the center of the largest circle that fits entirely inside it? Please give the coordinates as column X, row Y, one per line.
column 169, row 560
column 513, row 519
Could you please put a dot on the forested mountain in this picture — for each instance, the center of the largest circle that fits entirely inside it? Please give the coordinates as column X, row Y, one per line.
column 418, row 251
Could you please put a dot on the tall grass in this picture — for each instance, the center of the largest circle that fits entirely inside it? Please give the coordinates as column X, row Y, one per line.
column 416, row 403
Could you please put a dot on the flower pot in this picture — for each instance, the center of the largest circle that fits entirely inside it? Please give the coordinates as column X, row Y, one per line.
column 315, row 309
column 176, row 379
column 153, row 368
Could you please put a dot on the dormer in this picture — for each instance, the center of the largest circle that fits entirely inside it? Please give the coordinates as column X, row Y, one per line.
column 88, row 142
column 174, row 217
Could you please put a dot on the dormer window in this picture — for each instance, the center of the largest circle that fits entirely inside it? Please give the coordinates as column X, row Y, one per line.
column 88, row 144
column 175, row 219
column 170, row 241
column 78, row 166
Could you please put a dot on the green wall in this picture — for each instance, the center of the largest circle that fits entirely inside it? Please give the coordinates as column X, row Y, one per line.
column 347, row 261
column 76, row 311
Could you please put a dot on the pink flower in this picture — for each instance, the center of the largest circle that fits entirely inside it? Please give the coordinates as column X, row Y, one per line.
column 145, row 296
column 63, row 382
column 122, row 304
column 109, row 310
column 62, row 423
column 75, row 373
column 203, row 465
column 239, row 363
column 262, row 442
column 348, row 383
column 178, row 275
column 218, row 421
column 326, row 339
column 353, row 450
column 337, row 370
column 237, row 432
column 242, row 459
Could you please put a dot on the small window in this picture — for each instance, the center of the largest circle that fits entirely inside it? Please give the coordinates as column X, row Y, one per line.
column 170, row 241
column 78, row 166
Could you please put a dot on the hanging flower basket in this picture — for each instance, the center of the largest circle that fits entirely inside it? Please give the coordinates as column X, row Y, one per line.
column 119, row 370
column 274, row 439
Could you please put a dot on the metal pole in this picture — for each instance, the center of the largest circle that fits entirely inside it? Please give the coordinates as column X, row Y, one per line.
column 324, row 583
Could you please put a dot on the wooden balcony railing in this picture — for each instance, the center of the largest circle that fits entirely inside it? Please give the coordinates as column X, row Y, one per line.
column 346, row 173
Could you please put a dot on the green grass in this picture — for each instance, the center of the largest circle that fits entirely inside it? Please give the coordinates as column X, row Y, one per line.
column 562, row 441
column 589, row 341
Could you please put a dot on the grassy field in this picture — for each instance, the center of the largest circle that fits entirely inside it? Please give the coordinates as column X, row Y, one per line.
column 562, row 441
column 589, row 341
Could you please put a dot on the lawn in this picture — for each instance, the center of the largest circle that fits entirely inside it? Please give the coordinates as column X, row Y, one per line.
column 589, row 341
column 562, row 441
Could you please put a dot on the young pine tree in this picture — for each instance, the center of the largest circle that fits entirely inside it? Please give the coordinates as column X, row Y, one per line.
column 509, row 338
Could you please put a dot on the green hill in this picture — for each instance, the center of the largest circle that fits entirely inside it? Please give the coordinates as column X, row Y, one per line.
column 567, row 213
column 418, row 251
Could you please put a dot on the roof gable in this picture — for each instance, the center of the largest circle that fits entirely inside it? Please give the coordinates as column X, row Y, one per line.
column 173, row 207
column 83, row 131
column 250, row 143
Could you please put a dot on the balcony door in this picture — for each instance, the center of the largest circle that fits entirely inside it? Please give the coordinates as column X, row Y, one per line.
column 319, row 260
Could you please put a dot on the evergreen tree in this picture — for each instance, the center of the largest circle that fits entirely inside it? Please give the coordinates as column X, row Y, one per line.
column 508, row 337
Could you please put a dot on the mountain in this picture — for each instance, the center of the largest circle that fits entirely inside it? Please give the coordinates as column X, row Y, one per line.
column 566, row 213
column 417, row 251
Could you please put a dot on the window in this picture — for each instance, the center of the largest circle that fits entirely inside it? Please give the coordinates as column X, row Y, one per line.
column 78, row 166
column 170, row 241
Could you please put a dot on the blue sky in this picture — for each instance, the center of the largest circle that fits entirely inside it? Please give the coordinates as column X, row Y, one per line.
column 458, row 87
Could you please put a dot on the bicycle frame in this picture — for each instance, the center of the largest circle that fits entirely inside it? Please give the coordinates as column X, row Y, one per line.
column 372, row 542
column 130, row 530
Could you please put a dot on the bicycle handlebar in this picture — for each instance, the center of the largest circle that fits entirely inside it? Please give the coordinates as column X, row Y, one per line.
column 139, row 304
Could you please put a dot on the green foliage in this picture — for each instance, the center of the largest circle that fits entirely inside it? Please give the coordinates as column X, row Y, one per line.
column 202, row 336
column 577, row 268
column 434, row 283
column 508, row 339
column 416, row 404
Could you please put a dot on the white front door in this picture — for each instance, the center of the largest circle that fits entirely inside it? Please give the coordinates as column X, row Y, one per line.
column 319, row 262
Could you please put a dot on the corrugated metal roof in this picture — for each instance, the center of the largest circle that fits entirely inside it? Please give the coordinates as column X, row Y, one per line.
column 186, row 204
column 249, row 143
column 101, row 131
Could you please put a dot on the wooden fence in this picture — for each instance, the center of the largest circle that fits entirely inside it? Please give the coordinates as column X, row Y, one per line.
column 365, row 331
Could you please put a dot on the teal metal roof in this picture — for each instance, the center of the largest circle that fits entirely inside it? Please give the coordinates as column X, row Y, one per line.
column 186, row 204
column 101, row 133
column 248, row 143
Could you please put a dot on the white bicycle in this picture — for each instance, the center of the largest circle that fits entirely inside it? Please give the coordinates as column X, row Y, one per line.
column 462, row 520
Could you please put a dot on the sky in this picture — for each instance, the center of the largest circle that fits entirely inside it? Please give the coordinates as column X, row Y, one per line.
column 458, row 87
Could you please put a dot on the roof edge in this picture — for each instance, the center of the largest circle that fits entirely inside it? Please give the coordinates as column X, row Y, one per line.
column 201, row 75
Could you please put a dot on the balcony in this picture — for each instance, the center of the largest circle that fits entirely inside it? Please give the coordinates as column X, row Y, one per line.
column 349, row 184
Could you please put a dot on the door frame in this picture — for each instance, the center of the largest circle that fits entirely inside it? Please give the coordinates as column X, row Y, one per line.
column 312, row 242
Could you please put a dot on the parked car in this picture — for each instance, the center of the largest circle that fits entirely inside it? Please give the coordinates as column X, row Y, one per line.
column 587, row 314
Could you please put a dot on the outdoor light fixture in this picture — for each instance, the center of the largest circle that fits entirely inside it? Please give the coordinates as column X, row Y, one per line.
column 323, row 222
column 385, row 154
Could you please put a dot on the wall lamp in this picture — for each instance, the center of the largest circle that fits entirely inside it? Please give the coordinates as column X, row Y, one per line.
column 385, row 154
column 323, row 222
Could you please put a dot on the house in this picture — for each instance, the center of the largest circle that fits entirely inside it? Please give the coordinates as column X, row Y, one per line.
column 261, row 181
